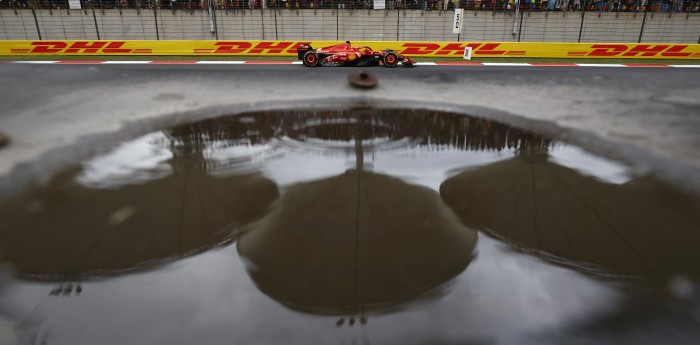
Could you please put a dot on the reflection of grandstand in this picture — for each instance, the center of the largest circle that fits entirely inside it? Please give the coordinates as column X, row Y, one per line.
column 247, row 129
column 468, row 133
column 428, row 129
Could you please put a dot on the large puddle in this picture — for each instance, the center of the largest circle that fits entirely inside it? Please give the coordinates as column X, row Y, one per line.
column 348, row 227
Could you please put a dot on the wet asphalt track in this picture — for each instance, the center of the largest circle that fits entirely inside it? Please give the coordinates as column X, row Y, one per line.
column 647, row 116
column 24, row 85
column 48, row 109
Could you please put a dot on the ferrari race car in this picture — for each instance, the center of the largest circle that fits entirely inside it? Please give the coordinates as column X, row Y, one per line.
column 346, row 55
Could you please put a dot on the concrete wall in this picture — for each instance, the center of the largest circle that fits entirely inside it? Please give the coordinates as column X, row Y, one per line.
column 488, row 26
column 551, row 27
column 369, row 25
column 17, row 26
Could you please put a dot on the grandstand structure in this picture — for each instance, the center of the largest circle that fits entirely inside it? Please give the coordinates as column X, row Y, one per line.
column 635, row 21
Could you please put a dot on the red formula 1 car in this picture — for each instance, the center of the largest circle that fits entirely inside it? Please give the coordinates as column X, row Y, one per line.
column 346, row 55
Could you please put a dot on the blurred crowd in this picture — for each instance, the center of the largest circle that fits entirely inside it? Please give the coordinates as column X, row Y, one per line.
column 668, row 6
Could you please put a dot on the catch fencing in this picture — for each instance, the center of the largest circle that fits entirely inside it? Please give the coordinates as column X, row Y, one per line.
column 658, row 21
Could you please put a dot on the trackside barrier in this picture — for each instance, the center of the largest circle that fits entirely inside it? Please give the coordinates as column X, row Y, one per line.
column 288, row 48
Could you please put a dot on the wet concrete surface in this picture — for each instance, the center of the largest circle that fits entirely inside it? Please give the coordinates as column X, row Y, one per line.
column 514, row 291
column 363, row 226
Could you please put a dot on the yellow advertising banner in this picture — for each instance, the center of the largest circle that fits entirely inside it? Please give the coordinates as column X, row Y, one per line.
column 413, row 49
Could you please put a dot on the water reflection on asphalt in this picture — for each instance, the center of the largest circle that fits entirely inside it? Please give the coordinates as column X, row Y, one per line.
column 345, row 227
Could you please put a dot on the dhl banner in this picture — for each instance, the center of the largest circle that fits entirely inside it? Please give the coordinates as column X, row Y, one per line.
column 414, row 49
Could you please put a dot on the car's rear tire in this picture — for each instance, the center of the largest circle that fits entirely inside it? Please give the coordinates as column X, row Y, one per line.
column 390, row 59
column 311, row 59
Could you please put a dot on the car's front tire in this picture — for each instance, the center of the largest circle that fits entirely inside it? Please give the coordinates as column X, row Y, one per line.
column 390, row 59
column 311, row 59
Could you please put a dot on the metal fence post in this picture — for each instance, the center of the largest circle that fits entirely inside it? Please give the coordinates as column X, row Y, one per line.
column 211, row 11
column 644, row 20
column 155, row 17
column 583, row 17
column 212, row 19
column 276, row 34
column 520, row 27
column 262, row 22
column 36, row 21
column 516, row 22
column 398, row 22
column 94, row 18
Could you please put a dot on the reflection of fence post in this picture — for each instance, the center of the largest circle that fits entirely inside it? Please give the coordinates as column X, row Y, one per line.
column 32, row 5
column 644, row 20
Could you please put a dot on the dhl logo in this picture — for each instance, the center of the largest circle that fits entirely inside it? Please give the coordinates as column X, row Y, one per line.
column 457, row 49
column 289, row 48
column 478, row 49
column 240, row 47
column 636, row 50
column 245, row 47
column 79, row 47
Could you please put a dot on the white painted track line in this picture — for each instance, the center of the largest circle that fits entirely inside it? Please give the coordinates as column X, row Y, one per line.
column 506, row 64
column 133, row 62
column 36, row 62
column 205, row 62
column 600, row 65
